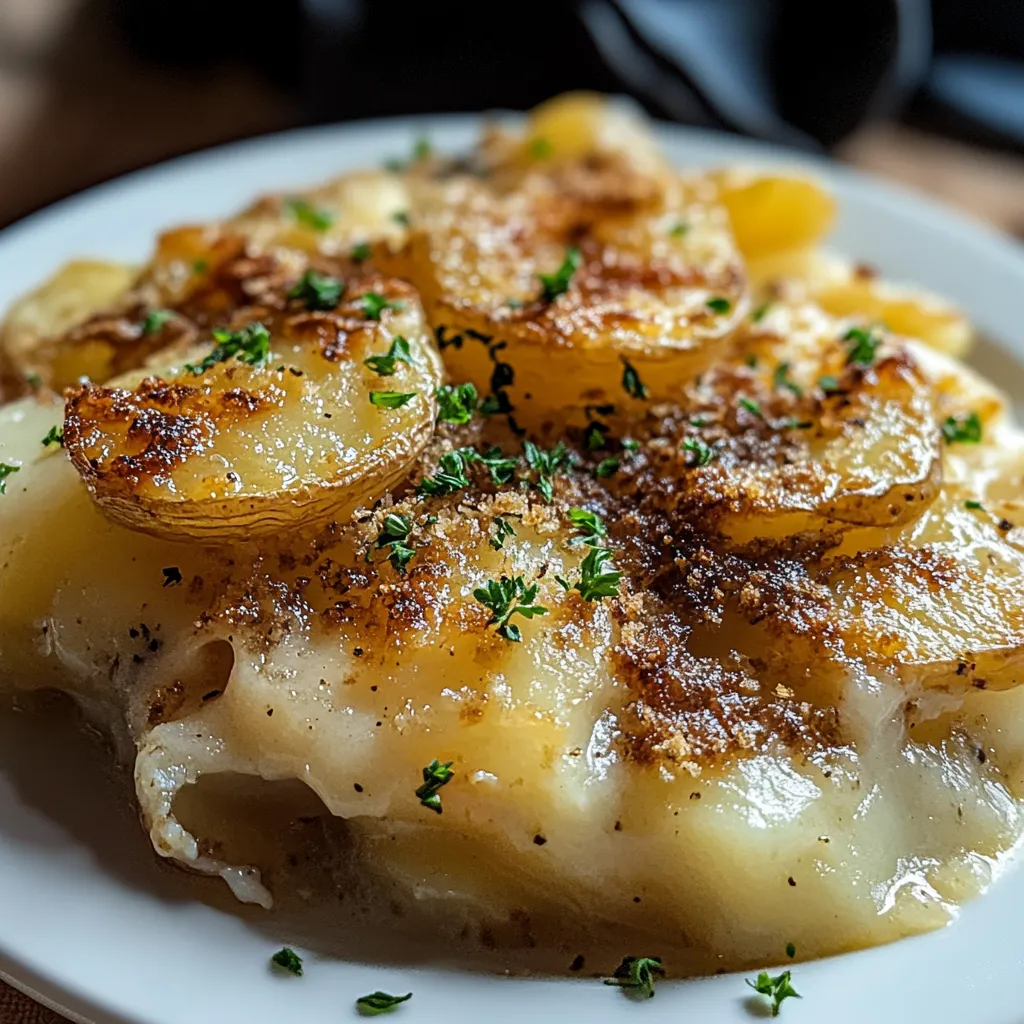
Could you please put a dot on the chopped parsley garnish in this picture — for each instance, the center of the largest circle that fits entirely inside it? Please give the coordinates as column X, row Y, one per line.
column 360, row 252
column 288, row 960
column 5, row 472
column 776, row 989
column 679, row 229
column 962, row 429
column 558, row 283
column 200, row 266
column 401, row 217
column 703, row 453
column 631, row 445
column 719, row 304
column 398, row 352
column 792, row 423
column 317, row 291
column 172, row 576
column 597, row 580
column 973, row 503
column 251, row 344
column 34, row 381
column 514, row 303
column 589, row 524
column 53, row 436
column 760, row 312
column 308, row 215
column 374, row 304
column 393, row 535
column 863, row 345
column 596, row 435
column 541, row 149
column 421, row 148
column 637, row 973
column 753, row 407
column 391, row 399
column 607, row 467
column 829, row 384
column 501, row 468
column 155, row 319
column 502, row 531
column 506, row 597
column 456, row 403
column 781, row 379
column 435, row 775
column 545, row 464
column 751, row 361
column 631, row 382
column 790, row 950
column 450, row 477
column 379, row 1002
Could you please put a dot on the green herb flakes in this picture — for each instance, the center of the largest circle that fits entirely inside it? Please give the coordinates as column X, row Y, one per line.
column 556, row 284
column 503, row 529
column 287, row 959
column 394, row 534
column 637, row 973
column 782, row 380
column 545, row 464
column 863, row 345
column 702, row 452
column 307, row 215
column 251, row 344
column 589, row 525
column 379, row 1002
column 5, row 472
column 317, row 291
column 506, row 597
column 631, row 382
column 155, row 319
column 456, row 403
column 435, row 775
column 373, row 304
column 449, row 478
column 391, row 399
column 962, row 429
column 776, row 989
column 385, row 365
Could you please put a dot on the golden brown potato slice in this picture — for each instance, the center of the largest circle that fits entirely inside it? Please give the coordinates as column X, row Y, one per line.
column 542, row 296
column 774, row 213
column 270, row 426
column 938, row 601
column 846, row 289
column 818, row 426
column 32, row 337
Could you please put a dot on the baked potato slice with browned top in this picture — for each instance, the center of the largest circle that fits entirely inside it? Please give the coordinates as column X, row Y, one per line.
column 556, row 282
column 287, row 417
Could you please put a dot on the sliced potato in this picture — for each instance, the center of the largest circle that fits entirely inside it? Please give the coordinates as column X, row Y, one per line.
column 790, row 438
column 219, row 448
column 655, row 282
column 32, row 337
column 570, row 128
column 772, row 213
column 331, row 218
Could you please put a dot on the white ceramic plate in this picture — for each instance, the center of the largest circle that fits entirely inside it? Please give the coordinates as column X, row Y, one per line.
column 92, row 923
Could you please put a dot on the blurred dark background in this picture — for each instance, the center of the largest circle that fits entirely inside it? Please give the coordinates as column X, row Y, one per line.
column 927, row 91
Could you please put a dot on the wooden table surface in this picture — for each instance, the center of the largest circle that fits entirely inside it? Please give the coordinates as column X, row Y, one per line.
column 73, row 115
